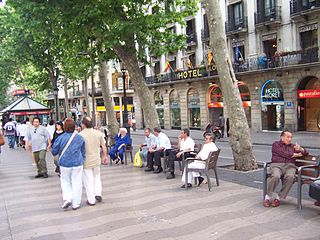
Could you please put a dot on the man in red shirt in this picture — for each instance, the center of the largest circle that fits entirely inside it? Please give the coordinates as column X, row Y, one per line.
column 284, row 155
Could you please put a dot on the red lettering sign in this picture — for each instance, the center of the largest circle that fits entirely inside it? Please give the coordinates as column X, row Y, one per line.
column 309, row 93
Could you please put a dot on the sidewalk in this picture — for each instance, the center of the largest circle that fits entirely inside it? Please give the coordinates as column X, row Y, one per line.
column 138, row 205
column 306, row 139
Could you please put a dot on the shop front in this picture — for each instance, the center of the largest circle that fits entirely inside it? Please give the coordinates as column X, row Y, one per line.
column 175, row 113
column 215, row 102
column 272, row 106
column 158, row 100
column 194, row 120
column 308, row 109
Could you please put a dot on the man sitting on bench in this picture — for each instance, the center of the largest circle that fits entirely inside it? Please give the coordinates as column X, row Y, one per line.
column 185, row 145
column 284, row 155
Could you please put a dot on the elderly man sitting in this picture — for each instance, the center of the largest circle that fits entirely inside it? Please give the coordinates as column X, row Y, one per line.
column 121, row 140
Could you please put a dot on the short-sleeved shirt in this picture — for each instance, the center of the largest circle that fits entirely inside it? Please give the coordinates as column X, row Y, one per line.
column 187, row 144
column 150, row 141
column 39, row 138
column 10, row 129
column 206, row 149
column 163, row 141
column 93, row 140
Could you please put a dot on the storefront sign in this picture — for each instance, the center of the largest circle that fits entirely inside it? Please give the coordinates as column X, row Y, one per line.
column 307, row 28
column 31, row 113
column 194, row 73
column 309, row 93
column 115, row 108
column 174, row 104
column 220, row 104
column 269, row 37
column 289, row 104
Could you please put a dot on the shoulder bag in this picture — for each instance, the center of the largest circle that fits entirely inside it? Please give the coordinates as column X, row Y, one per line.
column 68, row 143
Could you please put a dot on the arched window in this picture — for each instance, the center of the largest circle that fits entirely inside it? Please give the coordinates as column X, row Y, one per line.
column 158, row 100
column 194, row 108
column 175, row 112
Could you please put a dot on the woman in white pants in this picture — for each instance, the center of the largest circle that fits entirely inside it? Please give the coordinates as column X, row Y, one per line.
column 208, row 146
column 71, row 148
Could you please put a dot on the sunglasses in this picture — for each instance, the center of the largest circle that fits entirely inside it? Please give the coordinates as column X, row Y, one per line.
column 35, row 130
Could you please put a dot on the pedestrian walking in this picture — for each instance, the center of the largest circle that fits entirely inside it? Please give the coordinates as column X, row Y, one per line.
column 39, row 138
column 1, row 139
column 70, row 147
column 94, row 140
column 51, row 128
column 22, row 132
column 221, row 124
column 58, row 132
column 228, row 126
column 10, row 132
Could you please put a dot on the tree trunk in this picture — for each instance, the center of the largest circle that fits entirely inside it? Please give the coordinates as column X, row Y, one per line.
column 66, row 98
column 128, row 57
column 86, row 95
column 240, row 138
column 113, row 125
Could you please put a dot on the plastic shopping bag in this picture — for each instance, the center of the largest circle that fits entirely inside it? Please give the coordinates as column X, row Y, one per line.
column 137, row 162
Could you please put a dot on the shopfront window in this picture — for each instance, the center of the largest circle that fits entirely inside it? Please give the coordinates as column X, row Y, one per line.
column 194, row 108
column 215, row 103
column 175, row 109
column 272, row 106
column 158, row 100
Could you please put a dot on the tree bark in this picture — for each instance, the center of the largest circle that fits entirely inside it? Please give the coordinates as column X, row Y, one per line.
column 66, row 98
column 113, row 125
column 240, row 138
column 128, row 57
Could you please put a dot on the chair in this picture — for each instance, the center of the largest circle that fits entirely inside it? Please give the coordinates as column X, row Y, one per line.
column 128, row 149
column 211, row 164
column 197, row 148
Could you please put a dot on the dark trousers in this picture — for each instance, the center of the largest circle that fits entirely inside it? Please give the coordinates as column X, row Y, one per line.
column 154, row 158
column 222, row 131
column 173, row 158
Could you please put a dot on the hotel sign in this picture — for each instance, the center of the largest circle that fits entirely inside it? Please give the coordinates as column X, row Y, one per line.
column 303, row 94
column 193, row 73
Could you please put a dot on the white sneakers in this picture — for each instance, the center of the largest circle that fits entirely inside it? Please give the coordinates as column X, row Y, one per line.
column 66, row 204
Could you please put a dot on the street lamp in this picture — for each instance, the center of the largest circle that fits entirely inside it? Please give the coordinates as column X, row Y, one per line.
column 55, row 93
column 125, row 102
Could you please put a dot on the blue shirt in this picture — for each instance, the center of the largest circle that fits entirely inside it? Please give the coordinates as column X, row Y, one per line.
column 74, row 155
column 121, row 140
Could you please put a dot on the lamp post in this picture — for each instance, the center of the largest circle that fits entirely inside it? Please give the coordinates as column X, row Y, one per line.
column 55, row 93
column 93, row 99
column 125, row 102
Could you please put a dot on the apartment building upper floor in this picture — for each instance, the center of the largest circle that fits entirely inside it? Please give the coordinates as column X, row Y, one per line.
column 260, row 34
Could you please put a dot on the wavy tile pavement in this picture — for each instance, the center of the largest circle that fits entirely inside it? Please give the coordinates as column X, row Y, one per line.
column 138, row 205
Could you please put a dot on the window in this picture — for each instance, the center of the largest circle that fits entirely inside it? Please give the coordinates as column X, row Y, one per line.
column 269, row 6
column 116, row 101
column 238, row 13
column 157, row 68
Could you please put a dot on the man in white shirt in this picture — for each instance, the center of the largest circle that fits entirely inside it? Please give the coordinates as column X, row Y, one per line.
column 186, row 145
column 10, row 131
column 209, row 146
column 149, row 141
column 156, row 152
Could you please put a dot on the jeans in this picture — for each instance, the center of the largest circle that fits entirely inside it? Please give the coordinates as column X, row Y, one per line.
column 11, row 141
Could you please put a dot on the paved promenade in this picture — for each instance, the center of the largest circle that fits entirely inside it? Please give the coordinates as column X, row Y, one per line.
column 139, row 205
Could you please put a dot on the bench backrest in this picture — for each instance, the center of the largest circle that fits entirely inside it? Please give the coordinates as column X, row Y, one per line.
column 213, row 159
column 309, row 160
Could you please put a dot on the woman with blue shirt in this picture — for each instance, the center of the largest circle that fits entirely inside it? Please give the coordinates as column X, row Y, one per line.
column 121, row 140
column 71, row 165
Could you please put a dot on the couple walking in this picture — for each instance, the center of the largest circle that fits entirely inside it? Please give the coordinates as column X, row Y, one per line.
column 79, row 161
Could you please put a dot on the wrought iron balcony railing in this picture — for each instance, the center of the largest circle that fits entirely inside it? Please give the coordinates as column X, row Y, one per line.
column 298, row 6
column 237, row 25
column 267, row 15
column 284, row 59
column 205, row 34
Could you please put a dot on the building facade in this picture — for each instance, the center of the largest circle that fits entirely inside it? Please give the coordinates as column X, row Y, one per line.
column 274, row 47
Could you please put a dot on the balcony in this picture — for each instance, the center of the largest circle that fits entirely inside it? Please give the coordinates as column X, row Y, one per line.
column 191, row 38
column 268, row 17
column 299, row 8
column 284, row 60
column 237, row 26
column 205, row 35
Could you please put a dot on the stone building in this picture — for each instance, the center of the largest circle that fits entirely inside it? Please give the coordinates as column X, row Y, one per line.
column 274, row 46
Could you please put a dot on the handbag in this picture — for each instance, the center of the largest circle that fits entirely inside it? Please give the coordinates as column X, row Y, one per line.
column 2, row 140
column 67, row 145
column 314, row 191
